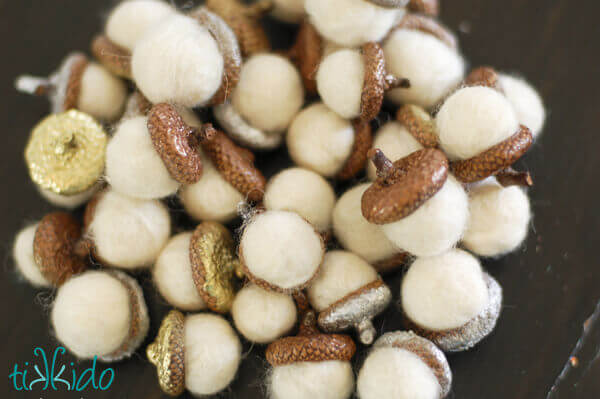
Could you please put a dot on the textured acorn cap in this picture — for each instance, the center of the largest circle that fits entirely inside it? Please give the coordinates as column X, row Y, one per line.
column 428, row 25
column 114, row 57
column 167, row 353
column 306, row 54
column 356, row 162
column 403, row 186
column 429, row 7
column 419, row 124
column 214, row 264
column 484, row 76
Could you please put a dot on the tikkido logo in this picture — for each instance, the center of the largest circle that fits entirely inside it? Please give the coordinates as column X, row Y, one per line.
column 43, row 375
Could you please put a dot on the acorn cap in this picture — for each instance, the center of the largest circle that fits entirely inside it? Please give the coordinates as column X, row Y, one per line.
column 306, row 54
column 428, row 25
column 403, row 186
column 167, row 353
column 425, row 350
column 244, row 20
column 356, row 162
column 419, row 124
column 357, row 309
column 510, row 177
column 230, row 50
column 470, row 334
column 115, row 58
column 484, row 76
column 389, row 3
column 429, row 7
column 392, row 263
column 214, row 264
column 236, row 164
column 66, row 152
column 494, row 160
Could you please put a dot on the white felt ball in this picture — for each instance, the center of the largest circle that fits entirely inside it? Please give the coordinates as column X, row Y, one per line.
column 396, row 143
column 133, row 167
column 178, row 61
column 212, row 354
column 320, row 140
column 304, row 192
column 396, row 373
column 305, row 380
column 454, row 286
column 291, row 11
column 281, row 248
column 269, row 93
column 498, row 221
column 172, row 275
column 101, row 94
column 526, row 101
column 433, row 68
column 341, row 274
column 340, row 81
column 129, row 233
column 70, row 201
column 263, row 316
column 351, row 23
column 436, row 226
column 355, row 233
column 128, row 22
column 23, row 256
column 474, row 119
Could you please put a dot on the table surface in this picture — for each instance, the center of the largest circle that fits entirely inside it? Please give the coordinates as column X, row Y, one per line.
column 551, row 286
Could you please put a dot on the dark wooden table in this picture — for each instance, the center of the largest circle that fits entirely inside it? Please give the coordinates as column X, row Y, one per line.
column 551, row 286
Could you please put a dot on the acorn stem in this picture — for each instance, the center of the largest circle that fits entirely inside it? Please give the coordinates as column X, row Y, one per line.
column 382, row 163
column 308, row 318
column 391, row 82
column 510, row 177
column 366, row 332
column 205, row 132
column 33, row 85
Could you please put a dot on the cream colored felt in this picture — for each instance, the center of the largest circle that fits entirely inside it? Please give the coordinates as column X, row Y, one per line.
column 101, row 94
column 23, row 257
column 527, row 102
column 323, row 380
column 70, row 201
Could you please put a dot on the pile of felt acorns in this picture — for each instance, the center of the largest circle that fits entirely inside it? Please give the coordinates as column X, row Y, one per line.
column 423, row 195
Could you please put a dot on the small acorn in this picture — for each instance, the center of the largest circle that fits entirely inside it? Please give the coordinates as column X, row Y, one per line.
column 463, row 303
column 200, row 353
column 79, row 84
column 347, row 293
column 402, row 365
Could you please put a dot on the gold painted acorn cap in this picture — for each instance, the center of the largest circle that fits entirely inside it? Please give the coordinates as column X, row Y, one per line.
column 66, row 153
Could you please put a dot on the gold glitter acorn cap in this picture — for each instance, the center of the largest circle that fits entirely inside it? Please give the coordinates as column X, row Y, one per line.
column 167, row 354
column 66, row 152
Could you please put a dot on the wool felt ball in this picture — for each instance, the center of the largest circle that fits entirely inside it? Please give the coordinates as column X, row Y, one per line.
column 100, row 314
column 472, row 120
column 498, row 219
column 527, row 102
column 130, row 20
column 351, row 23
column 395, row 141
column 263, row 316
column 281, row 251
column 172, row 274
column 70, row 201
column 303, row 380
column 320, row 140
column 24, row 259
column 304, row 192
column 133, row 167
column 129, row 233
column 433, row 68
column 178, row 61
column 290, row 11
column 101, row 95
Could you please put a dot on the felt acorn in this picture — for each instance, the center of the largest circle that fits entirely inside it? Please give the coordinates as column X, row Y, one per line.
column 353, row 82
column 403, row 365
column 268, row 96
column 463, row 304
column 320, row 140
column 65, row 156
column 417, row 204
column 311, row 362
column 100, row 313
column 79, row 84
column 348, row 293
column 200, row 353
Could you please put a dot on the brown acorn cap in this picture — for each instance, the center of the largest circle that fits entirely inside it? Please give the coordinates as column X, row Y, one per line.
column 510, row 177
column 176, row 142
column 229, row 47
column 428, row 7
column 428, row 25
column 403, row 186
column 306, row 54
column 470, row 334
column 376, row 82
column 114, row 57
column 357, row 309
column 244, row 20
column 392, row 263
column 167, row 353
column 236, row 164
column 483, row 76
column 389, row 3
column 419, row 124
column 426, row 350
column 495, row 159
column 214, row 264
column 356, row 162
column 58, row 250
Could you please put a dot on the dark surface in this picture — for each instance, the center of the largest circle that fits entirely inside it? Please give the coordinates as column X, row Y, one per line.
column 551, row 286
